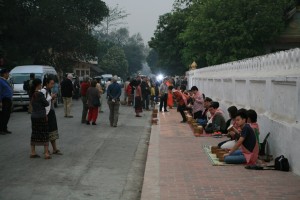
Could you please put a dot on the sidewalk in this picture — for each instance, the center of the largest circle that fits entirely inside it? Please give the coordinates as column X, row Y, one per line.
column 178, row 169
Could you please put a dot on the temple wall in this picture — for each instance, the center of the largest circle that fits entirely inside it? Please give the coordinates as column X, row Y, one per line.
column 269, row 84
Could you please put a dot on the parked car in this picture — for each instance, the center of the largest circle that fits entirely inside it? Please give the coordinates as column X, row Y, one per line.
column 20, row 74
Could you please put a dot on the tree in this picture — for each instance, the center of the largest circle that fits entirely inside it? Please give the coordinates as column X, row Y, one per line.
column 114, row 19
column 134, row 51
column 114, row 62
column 223, row 31
column 167, row 43
column 50, row 31
column 152, row 60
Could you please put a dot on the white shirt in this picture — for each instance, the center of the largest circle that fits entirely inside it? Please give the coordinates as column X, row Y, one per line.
column 48, row 98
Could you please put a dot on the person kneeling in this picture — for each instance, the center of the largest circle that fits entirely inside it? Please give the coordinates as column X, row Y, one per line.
column 246, row 149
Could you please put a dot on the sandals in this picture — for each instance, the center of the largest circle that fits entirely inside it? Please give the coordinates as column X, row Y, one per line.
column 48, row 157
column 57, row 152
column 35, row 156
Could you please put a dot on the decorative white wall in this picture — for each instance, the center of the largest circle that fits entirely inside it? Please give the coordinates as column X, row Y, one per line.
column 269, row 84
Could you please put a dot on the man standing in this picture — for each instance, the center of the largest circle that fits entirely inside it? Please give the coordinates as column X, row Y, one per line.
column 67, row 93
column 6, row 94
column 145, row 92
column 114, row 92
column 84, row 87
column 163, row 92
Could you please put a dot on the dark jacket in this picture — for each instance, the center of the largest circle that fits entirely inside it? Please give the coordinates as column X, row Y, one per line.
column 145, row 88
column 39, row 103
column 92, row 95
column 66, row 88
column 218, row 124
column 114, row 91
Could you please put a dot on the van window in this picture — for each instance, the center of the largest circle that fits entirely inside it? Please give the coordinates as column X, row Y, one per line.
column 20, row 78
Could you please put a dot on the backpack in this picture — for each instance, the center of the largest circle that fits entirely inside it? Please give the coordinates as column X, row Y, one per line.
column 282, row 164
column 26, row 85
column 264, row 146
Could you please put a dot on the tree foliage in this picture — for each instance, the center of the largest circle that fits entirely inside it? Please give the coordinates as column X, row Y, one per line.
column 115, row 62
column 167, row 43
column 217, row 31
column 50, row 31
column 133, row 47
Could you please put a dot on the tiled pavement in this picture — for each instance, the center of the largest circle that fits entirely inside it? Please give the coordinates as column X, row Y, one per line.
column 178, row 169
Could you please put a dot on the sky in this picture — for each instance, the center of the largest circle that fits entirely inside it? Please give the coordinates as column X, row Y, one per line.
column 144, row 14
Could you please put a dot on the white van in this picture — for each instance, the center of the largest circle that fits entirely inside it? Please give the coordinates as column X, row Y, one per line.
column 20, row 74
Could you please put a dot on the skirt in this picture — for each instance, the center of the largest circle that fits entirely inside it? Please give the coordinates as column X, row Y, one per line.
column 138, row 105
column 52, row 126
column 40, row 133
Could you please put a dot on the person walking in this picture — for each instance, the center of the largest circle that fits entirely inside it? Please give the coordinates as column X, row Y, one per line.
column 93, row 101
column 39, row 120
column 52, row 123
column 67, row 93
column 163, row 91
column 114, row 92
column 84, row 87
column 138, row 100
column 145, row 92
column 100, row 89
column 6, row 94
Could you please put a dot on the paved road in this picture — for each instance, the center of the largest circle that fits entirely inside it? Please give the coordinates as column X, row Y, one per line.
column 99, row 162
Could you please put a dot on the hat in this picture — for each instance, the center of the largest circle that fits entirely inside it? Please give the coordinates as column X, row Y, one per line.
column 3, row 71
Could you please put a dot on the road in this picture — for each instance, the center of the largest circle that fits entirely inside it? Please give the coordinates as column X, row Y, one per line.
column 99, row 162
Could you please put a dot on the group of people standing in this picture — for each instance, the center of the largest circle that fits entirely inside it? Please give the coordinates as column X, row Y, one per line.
column 92, row 98
column 43, row 117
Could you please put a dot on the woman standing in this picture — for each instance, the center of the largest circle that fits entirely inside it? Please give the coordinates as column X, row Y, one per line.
column 52, row 123
column 39, row 121
column 138, row 99
column 93, row 102
column 198, row 105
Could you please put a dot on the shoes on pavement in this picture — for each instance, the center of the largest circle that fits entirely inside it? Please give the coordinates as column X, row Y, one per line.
column 88, row 123
column 94, row 123
column 138, row 116
column 2, row 133
column 7, row 132
column 57, row 152
column 70, row 116
column 34, row 156
column 166, row 111
column 115, row 126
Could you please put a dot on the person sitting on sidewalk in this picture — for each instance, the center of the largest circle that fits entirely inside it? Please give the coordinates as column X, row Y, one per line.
column 217, row 120
column 205, row 114
column 233, row 133
column 246, row 149
column 252, row 121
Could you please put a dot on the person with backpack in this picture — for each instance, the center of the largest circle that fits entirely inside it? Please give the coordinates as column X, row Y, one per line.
column 26, row 86
column 246, row 148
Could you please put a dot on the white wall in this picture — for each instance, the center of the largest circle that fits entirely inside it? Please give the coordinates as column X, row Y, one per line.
column 270, row 85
